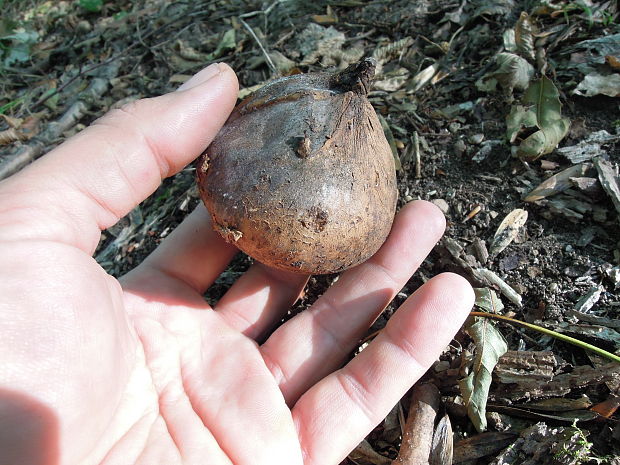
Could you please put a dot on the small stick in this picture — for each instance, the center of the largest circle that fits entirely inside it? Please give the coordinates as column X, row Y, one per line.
column 418, row 158
column 415, row 448
column 260, row 45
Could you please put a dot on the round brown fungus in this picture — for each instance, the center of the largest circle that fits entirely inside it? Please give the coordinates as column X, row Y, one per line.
column 301, row 176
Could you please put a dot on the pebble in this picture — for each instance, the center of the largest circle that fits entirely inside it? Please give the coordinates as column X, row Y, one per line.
column 442, row 205
column 476, row 139
column 459, row 147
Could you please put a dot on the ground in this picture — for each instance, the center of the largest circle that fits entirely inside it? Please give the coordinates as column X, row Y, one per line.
column 434, row 58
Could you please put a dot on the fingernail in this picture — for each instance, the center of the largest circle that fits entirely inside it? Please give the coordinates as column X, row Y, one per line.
column 201, row 76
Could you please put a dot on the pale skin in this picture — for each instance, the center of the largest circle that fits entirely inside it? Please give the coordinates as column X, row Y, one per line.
column 142, row 370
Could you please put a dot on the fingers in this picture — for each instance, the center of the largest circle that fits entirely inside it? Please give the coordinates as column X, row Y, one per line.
column 186, row 263
column 344, row 407
column 317, row 341
column 259, row 299
column 96, row 177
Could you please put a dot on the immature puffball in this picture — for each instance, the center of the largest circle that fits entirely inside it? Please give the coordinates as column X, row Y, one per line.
column 301, row 176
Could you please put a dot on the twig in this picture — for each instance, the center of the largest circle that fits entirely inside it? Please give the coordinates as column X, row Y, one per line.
column 54, row 130
column 260, row 45
column 418, row 158
column 418, row 436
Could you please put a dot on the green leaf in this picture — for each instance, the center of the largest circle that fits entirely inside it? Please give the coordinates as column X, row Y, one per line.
column 490, row 346
column 538, row 120
column 488, row 300
column 18, row 51
column 228, row 42
column 94, row 6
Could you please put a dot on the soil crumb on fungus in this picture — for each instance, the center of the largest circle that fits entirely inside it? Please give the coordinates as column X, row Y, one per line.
column 301, row 176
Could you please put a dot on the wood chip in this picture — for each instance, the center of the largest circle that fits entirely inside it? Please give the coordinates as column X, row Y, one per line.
column 589, row 299
column 504, row 287
column 609, row 179
column 531, row 366
column 562, row 384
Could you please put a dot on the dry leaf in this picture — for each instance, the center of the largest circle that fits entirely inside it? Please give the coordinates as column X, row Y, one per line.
column 488, row 300
column 442, row 446
column 490, row 346
column 608, row 407
column 329, row 17
column 599, row 84
column 10, row 135
column 524, row 36
column 538, row 120
column 558, row 182
column 508, row 230
column 511, row 72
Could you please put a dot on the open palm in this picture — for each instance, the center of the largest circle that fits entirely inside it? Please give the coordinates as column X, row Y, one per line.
column 93, row 371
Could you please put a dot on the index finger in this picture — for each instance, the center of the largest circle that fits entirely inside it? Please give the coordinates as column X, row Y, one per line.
column 93, row 179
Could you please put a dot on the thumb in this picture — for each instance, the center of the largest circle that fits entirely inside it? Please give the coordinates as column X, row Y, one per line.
column 93, row 179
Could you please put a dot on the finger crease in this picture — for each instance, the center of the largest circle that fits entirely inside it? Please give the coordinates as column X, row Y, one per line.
column 402, row 343
column 356, row 392
column 392, row 281
column 160, row 160
column 275, row 368
column 336, row 343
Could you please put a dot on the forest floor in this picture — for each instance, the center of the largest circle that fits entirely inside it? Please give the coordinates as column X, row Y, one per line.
column 505, row 114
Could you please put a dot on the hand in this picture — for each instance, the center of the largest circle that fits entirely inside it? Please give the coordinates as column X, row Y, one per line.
column 93, row 371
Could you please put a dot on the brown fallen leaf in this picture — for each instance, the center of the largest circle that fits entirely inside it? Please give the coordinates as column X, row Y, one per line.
column 329, row 17
column 608, row 407
column 11, row 135
column 481, row 445
column 613, row 62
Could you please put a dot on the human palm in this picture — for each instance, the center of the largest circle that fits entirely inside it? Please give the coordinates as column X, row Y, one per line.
column 146, row 372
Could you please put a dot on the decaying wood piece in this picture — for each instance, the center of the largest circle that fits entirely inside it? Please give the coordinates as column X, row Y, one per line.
column 503, row 286
column 418, row 435
column 531, row 375
column 55, row 129
column 532, row 366
column 544, row 445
